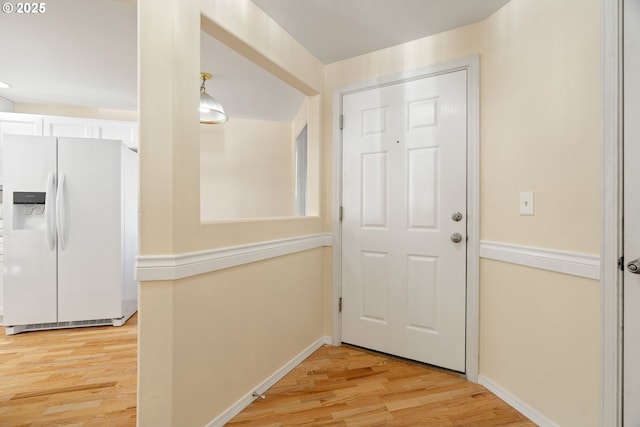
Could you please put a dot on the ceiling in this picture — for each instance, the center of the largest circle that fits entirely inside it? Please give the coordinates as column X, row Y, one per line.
column 78, row 52
column 338, row 29
column 83, row 53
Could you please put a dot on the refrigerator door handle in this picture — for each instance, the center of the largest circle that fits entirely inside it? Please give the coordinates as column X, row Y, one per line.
column 49, row 215
column 60, row 211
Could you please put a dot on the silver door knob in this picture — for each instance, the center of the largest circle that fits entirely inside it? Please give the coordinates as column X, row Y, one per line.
column 456, row 216
column 456, row 237
column 634, row 266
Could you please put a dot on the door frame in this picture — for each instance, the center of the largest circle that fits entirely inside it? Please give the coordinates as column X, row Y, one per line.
column 472, row 65
column 611, row 280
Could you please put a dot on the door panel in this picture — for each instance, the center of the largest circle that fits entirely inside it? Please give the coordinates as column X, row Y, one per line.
column 18, row 124
column 30, row 263
column 404, row 174
column 375, row 274
column 631, row 356
column 127, row 132
column 68, row 127
column 422, row 277
column 374, row 189
column 422, row 200
column 89, row 252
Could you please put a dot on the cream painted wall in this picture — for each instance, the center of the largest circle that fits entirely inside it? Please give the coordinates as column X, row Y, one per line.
column 246, row 170
column 309, row 115
column 318, row 195
column 300, row 120
column 540, row 340
column 540, row 131
column 541, row 124
column 232, row 329
column 206, row 341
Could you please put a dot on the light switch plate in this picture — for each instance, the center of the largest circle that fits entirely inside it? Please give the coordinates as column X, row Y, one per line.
column 526, row 203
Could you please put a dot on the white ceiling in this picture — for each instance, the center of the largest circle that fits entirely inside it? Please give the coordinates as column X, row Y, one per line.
column 338, row 29
column 83, row 53
column 78, row 52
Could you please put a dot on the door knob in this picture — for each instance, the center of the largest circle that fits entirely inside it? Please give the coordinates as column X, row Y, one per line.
column 634, row 266
column 456, row 216
column 457, row 238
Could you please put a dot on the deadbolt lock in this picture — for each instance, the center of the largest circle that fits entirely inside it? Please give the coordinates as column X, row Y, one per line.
column 456, row 216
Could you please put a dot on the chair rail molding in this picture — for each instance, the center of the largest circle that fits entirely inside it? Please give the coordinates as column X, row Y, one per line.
column 574, row 263
column 180, row 266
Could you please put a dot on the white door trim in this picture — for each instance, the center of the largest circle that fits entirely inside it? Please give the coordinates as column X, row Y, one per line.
column 611, row 228
column 472, row 65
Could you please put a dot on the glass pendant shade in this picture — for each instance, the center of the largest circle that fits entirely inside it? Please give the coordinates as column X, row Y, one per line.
column 211, row 111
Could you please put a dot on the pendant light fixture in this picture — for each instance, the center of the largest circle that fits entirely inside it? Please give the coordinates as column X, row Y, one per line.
column 211, row 111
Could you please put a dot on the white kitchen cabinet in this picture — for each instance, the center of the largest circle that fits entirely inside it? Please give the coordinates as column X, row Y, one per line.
column 18, row 124
column 127, row 132
column 68, row 127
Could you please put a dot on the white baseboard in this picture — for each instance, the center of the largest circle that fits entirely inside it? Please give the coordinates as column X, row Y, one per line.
column 245, row 401
column 516, row 403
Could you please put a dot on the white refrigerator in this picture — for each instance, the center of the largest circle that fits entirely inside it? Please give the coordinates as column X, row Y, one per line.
column 70, row 232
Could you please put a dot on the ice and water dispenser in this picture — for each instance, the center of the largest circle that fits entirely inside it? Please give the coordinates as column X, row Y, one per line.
column 28, row 210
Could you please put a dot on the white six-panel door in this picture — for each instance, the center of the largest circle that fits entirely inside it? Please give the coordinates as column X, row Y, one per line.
column 404, row 178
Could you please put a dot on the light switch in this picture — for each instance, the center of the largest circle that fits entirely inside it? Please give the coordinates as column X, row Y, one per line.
column 526, row 203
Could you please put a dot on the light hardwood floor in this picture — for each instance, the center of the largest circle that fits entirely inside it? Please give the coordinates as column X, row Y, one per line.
column 347, row 386
column 87, row 377
column 69, row 377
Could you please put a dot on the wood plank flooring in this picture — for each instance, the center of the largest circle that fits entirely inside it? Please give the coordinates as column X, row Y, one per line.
column 69, row 377
column 87, row 377
column 346, row 386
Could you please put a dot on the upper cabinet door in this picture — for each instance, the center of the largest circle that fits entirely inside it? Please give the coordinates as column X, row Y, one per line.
column 18, row 124
column 68, row 127
column 127, row 132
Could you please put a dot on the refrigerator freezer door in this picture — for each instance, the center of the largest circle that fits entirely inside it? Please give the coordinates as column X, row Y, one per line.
column 29, row 263
column 90, row 263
